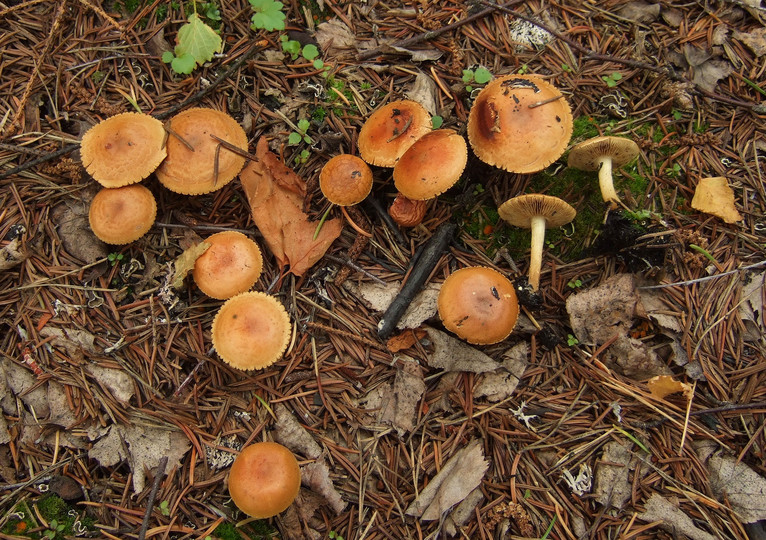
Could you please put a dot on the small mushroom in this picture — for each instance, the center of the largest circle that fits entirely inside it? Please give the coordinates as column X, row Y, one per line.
column 602, row 154
column 390, row 130
column 432, row 165
column 714, row 196
column 231, row 265
column 407, row 212
column 536, row 212
column 122, row 215
column 264, row 479
column 123, row 149
column 251, row 330
column 478, row 304
column 345, row 180
column 520, row 123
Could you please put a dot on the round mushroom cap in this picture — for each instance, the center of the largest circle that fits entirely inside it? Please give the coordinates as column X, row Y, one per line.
column 392, row 129
column 345, row 180
column 193, row 172
column 231, row 265
column 520, row 210
column 264, row 479
column 432, row 165
column 587, row 155
column 251, row 330
column 478, row 304
column 123, row 149
column 121, row 215
column 506, row 131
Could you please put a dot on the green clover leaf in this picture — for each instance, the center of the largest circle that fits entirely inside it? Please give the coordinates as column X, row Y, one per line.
column 268, row 15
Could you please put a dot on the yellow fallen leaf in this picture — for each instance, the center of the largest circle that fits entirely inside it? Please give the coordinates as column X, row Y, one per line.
column 662, row 386
column 714, row 196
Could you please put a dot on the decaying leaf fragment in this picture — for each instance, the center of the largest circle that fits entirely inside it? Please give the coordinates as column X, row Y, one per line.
column 597, row 314
column 714, row 196
column 11, row 255
column 672, row 518
column 185, row 263
column 739, row 485
column 662, row 386
column 276, row 194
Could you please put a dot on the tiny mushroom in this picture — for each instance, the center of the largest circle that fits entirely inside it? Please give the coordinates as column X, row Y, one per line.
column 231, row 265
column 345, row 180
column 602, row 154
column 123, row 149
column 121, row 215
column 392, row 129
column 714, row 196
column 251, row 330
column 432, row 165
column 478, row 304
column 264, row 479
column 536, row 212
column 407, row 212
column 204, row 147
column 520, row 123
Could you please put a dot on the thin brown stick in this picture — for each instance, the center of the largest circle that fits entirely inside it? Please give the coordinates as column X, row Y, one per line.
column 152, row 495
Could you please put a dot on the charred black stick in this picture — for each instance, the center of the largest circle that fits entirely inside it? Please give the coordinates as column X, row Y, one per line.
column 421, row 269
column 386, row 218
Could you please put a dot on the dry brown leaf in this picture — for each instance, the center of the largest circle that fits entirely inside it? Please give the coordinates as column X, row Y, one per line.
column 597, row 314
column 317, row 477
column 400, row 405
column 184, row 263
column 714, row 196
column 290, row 433
column 635, row 359
column 276, row 194
column 379, row 297
column 739, row 485
column 613, row 486
column 672, row 518
column 451, row 354
column 11, row 255
column 405, row 340
column 662, row 386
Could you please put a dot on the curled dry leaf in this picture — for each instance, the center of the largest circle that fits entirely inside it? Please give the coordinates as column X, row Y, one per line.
column 185, row 263
column 662, row 386
column 276, row 194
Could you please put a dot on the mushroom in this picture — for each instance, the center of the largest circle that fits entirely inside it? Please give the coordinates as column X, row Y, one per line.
column 251, row 330
column 264, row 479
column 431, row 165
column 478, row 304
column 520, row 123
column 714, row 196
column 121, row 215
column 407, row 212
column 198, row 162
column 536, row 212
column 602, row 154
column 346, row 180
column 231, row 265
column 390, row 130
column 123, row 149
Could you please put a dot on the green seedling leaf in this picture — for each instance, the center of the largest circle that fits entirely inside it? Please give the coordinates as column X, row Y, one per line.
column 303, row 125
column 183, row 64
column 291, row 47
column 197, row 39
column 482, row 75
column 467, row 76
column 168, row 56
column 436, row 122
column 294, row 138
column 318, row 64
column 310, row 52
column 268, row 15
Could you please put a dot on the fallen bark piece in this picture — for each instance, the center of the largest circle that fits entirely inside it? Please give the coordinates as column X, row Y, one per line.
column 672, row 519
column 290, row 433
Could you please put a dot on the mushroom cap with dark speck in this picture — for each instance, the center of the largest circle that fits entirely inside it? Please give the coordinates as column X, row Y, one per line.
column 520, row 210
column 432, row 165
column 345, row 180
column 587, row 155
column 391, row 130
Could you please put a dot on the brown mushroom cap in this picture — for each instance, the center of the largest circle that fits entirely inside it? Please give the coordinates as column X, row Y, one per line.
column 193, row 172
column 506, row 132
column 123, row 149
column 264, row 479
column 251, row 330
column 520, row 210
column 345, row 180
column 431, row 165
column 478, row 304
column 122, row 215
column 588, row 155
column 392, row 129
column 231, row 265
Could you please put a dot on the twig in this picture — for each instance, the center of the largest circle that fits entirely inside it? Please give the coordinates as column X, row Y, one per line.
column 705, row 278
column 348, row 262
column 152, row 495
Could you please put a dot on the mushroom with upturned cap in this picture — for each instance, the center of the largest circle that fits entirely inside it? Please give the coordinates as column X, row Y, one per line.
column 231, row 265
column 520, row 123
column 478, row 304
column 122, row 215
column 251, row 330
column 391, row 130
column 536, row 212
column 602, row 154
column 264, row 479
column 123, row 149
column 432, row 165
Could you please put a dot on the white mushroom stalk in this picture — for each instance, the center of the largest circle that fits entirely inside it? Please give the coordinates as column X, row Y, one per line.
column 536, row 255
column 606, row 182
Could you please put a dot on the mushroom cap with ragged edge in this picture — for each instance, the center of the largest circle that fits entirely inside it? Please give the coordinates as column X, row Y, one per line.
column 478, row 304
column 122, row 215
column 587, row 155
column 231, row 265
column 520, row 210
column 432, row 165
column 391, row 130
column 251, row 330
column 264, row 479
column 193, row 172
column 345, row 180
column 505, row 132
column 123, row 149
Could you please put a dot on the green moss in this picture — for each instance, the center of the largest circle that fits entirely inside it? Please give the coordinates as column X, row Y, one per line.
column 584, row 128
column 318, row 115
column 256, row 530
column 52, row 507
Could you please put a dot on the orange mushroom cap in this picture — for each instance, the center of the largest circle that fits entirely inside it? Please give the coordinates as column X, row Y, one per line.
column 231, row 265
column 391, row 130
column 123, row 149
column 251, row 330
column 122, row 215
column 264, row 479
column 193, row 172
column 512, row 125
column 431, row 165
column 345, row 180
column 478, row 304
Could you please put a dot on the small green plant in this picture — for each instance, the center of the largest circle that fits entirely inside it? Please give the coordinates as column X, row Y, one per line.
column 436, row 122
column 300, row 134
column 165, row 508
column 480, row 75
column 524, row 69
column 334, row 536
column 115, row 258
column 196, row 43
column 268, row 15
column 566, row 68
column 309, row 52
column 55, row 528
column 674, row 171
column 677, row 115
column 572, row 341
column 574, row 284
column 612, row 79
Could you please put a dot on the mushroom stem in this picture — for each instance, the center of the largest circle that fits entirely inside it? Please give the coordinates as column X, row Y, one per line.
column 606, row 183
column 536, row 255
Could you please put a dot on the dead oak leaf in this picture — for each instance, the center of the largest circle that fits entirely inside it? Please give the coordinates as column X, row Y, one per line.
column 276, row 194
